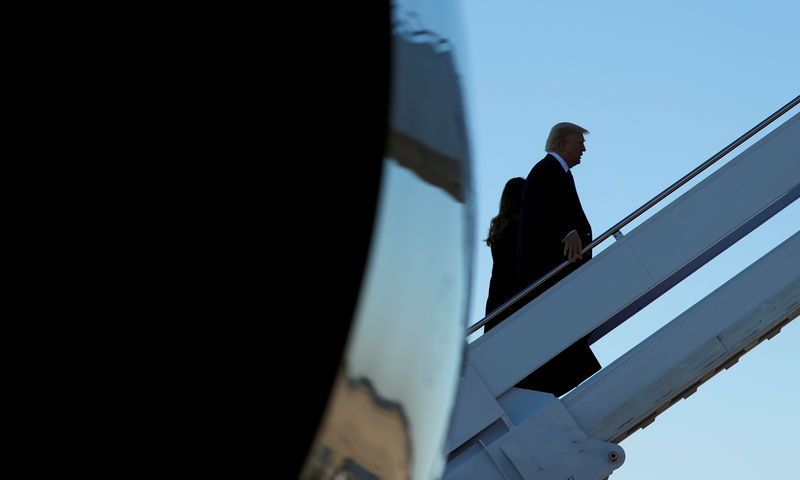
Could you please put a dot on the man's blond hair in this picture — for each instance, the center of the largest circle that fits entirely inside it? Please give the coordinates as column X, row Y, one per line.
column 562, row 131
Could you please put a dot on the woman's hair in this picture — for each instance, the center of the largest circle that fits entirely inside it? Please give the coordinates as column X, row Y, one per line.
column 510, row 203
column 562, row 131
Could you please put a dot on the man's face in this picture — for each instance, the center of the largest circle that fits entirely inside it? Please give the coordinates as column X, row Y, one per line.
column 571, row 149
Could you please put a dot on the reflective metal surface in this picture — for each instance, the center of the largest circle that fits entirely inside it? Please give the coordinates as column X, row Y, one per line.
column 391, row 404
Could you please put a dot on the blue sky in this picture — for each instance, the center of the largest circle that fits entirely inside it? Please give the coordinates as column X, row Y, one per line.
column 661, row 86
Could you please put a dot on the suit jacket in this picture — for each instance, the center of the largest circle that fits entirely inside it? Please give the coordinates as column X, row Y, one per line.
column 550, row 210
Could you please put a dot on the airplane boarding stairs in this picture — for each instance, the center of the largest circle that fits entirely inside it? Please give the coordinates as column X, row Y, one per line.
column 499, row 431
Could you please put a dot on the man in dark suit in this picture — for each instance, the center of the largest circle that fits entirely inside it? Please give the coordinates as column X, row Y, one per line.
column 553, row 229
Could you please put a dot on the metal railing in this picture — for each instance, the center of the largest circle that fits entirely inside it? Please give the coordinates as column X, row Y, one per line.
column 616, row 228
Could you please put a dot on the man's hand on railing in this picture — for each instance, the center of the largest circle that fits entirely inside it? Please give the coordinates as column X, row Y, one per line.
column 573, row 247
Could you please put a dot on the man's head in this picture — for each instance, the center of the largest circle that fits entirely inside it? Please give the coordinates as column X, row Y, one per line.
column 566, row 139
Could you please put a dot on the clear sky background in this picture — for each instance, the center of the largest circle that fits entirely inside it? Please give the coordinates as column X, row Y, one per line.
column 662, row 87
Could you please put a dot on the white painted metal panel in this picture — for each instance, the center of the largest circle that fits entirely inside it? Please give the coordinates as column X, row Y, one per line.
column 542, row 441
column 691, row 348
column 706, row 213
column 475, row 409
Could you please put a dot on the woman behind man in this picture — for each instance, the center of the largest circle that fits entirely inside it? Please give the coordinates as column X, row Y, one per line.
column 502, row 239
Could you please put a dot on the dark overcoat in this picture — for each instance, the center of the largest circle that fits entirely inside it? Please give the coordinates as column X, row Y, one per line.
column 550, row 210
column 503, row 284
